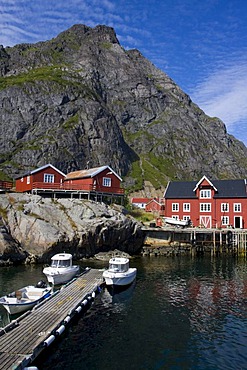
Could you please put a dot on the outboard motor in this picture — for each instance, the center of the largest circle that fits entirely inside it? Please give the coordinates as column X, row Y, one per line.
column 41, row 284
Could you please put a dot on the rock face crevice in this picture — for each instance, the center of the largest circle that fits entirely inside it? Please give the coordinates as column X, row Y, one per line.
column 40, row 227
column 81, row 99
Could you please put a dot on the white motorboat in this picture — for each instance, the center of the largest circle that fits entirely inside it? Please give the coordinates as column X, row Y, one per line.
column 175, row 222
column 119, row 273
column 61, row 269
column 26, row 298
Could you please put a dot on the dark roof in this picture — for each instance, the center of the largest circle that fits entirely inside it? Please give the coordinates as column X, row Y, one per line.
column 226, row 189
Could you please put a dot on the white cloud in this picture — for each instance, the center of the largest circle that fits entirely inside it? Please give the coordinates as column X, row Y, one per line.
column 223, row 94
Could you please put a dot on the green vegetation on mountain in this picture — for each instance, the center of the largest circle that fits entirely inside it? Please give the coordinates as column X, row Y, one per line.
column 81, row 98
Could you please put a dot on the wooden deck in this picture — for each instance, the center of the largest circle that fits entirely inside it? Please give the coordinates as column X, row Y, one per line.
column 24, row 339
column 214, row 241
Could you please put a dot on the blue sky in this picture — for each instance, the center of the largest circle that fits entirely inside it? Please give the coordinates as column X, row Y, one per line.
column 200, row 44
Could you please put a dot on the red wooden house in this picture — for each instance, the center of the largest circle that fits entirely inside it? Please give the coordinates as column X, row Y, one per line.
column 99, row 179
column 218, row 203
column 44, row 177
column 156, row 205
column 140, row 202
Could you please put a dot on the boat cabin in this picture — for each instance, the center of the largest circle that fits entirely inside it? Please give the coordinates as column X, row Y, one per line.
column 61, row 260
column 119, row 264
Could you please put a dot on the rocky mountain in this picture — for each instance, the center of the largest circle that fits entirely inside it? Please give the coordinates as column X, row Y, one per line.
column 81, row 99
column 34, row 228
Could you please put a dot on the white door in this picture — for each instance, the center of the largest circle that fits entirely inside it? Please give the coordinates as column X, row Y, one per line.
column 205, row 221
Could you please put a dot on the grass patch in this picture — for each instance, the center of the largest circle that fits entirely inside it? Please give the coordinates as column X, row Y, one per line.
column 53, row 73
column 141, row 215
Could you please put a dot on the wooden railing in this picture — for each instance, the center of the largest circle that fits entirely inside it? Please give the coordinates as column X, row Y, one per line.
column 77, row 187
column 6, row 185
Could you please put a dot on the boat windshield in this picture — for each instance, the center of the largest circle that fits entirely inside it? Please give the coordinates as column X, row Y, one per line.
column 118, row 267
column 60, row 263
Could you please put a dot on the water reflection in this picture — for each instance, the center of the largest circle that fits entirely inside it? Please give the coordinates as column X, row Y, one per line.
column 117, row 299
column 181, row 313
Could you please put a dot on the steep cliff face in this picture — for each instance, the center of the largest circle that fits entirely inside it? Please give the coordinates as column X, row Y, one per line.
column 40, row 227
column 81, row 97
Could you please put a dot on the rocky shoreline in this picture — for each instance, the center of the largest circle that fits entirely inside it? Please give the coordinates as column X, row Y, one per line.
column 33, row 228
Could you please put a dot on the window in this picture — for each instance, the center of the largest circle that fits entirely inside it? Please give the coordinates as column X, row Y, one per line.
column 186, row 218
column 175, row 207
column 175, row 217
column 186, row 207
column 28, row 179
column 224, row 207
column 106, row 181
column 205, row 207
column 225, row 220
column 48, row 177
column 205, row 193
column 237, row 207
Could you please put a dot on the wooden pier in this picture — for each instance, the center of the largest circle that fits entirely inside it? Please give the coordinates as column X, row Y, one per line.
column 165, row 241
column 25, row 338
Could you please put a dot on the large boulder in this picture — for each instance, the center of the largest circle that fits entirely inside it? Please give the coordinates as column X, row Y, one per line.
column 38, row 227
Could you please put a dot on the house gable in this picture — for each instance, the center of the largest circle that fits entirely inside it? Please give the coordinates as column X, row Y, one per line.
column 204, row 183
column 47, row 166
column 92, row 172
column 154, row 205
column 47, row 174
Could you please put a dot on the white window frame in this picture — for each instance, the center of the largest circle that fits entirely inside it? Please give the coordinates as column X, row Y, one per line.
column 175, row 207
column 106, row 182
column 224, row 207
column 175, row 217
column 225, row 220
column 49, row 178
column 28, row 179
column 186, row 207
column 237, row 207
column 205, row 207
column 186, row 218
column 206, row 193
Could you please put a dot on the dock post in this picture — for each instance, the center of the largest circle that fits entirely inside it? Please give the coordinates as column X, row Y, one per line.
column 221, row 245
column 214, row 244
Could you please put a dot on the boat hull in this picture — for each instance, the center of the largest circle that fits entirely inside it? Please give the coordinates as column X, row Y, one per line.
column 58, row 276
column 14, row 305
column 119, row 278
column 178, row 223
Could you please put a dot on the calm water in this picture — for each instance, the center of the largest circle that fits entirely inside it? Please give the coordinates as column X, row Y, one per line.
column 181, row 313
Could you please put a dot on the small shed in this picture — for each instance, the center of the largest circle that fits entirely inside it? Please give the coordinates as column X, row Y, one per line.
column 98, row 179
column 43, row 177
column 140, row 202
column 156, row 205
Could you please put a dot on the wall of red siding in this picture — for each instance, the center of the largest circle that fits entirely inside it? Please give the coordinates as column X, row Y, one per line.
column 21, row 183
column 96, row 183
column 216, row 213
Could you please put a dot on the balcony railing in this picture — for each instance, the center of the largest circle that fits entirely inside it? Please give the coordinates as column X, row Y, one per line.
column 76, row 187
column 6, row 185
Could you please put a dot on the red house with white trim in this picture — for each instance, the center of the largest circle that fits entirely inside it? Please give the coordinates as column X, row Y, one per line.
column 210, row 204
column 156, row 205
column 140, row 202
column 99, row 179
column 43, row 177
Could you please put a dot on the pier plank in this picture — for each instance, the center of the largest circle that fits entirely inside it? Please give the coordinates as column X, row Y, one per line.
column 21, row 345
